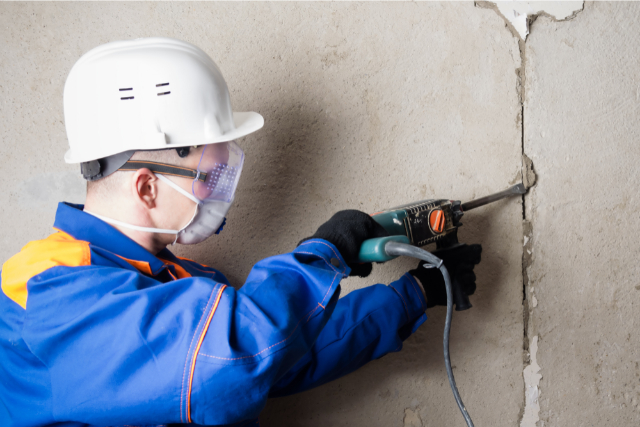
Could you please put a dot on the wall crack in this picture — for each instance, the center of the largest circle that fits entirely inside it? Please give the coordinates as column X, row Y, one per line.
column 518, row 17
column 532, row 379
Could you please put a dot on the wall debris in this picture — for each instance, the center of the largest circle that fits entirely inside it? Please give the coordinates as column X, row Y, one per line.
column 528, row 174
column 521, row 14
column 412, row 418
column 532, row 379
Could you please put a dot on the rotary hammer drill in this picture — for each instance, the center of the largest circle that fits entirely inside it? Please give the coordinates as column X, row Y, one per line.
column 427, row 221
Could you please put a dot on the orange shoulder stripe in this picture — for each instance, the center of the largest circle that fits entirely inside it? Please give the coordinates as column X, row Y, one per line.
column 197, row 350
column 59, row 249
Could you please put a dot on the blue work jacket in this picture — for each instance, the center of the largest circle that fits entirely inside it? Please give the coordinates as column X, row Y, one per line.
column 96, row 330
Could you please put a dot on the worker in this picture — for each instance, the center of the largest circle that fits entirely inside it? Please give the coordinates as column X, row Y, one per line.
column 100, row 324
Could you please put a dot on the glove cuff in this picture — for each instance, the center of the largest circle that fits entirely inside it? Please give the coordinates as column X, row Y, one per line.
column 432, row 284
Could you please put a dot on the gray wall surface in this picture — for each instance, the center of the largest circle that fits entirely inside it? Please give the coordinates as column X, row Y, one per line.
column 582, row 131
column 371, row 105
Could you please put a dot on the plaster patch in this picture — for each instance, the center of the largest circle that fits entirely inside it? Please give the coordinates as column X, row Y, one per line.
column 532, row 379
column 518, row 13
column 528, row 174
column 412, row 418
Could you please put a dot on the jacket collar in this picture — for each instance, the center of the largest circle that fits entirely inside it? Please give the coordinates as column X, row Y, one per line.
column 71, row 219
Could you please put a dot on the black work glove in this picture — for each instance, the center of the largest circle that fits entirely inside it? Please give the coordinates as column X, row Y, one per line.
column 347, row 230
column 459, row 261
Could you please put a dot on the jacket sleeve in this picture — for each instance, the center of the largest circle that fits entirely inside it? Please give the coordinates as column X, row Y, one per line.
column 365, row 325
column 122, row 348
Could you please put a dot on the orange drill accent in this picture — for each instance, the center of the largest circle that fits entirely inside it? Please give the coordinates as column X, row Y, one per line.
column 436, row 219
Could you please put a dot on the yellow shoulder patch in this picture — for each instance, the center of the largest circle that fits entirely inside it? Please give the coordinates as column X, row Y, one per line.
column 59, row 249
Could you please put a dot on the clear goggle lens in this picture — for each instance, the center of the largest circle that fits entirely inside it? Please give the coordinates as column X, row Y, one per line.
column 219, row 170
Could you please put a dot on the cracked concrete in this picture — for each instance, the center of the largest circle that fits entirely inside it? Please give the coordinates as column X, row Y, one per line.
column 532, row 379
column 520, row 15
column 528, row 173
column 370, row 105
column 582, row 132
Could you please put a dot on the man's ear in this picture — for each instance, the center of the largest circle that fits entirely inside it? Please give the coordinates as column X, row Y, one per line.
column 145, row 186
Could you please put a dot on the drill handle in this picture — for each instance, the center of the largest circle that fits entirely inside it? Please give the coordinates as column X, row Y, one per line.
column 373, row 250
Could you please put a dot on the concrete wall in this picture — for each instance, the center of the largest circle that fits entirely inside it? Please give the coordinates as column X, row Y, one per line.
column 369, row 105
column 582, row 130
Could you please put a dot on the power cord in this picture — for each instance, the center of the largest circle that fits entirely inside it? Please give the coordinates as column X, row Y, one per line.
column 402, row 249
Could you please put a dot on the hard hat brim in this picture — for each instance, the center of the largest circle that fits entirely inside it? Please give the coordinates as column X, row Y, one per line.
column 244, row 124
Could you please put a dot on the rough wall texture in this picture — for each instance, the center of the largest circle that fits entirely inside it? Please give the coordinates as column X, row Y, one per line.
column 367, row 106
column 581, row 130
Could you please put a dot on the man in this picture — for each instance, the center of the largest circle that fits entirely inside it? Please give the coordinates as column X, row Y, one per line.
column 100, row 324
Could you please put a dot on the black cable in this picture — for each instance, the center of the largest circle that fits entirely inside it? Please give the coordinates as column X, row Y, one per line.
column 402, row 249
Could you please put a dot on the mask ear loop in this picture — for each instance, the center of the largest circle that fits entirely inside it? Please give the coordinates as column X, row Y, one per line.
column 186, row 194
column 131, row 226
column 156, row 230
column 195, row 212
column 179, row 189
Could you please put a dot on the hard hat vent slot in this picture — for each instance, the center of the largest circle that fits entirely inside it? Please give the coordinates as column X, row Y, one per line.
column 163, row 93
column 124, row 98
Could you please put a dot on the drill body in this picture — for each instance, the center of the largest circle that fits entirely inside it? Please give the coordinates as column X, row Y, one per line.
column 424, row 222
column 428, row 221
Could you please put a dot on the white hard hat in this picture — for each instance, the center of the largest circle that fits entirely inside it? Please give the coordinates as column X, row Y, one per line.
column 148, row 94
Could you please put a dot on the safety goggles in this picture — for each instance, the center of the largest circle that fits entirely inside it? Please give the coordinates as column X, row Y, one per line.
column 216, row 176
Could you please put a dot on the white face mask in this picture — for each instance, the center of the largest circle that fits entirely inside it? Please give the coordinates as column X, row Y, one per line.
column 206, row 219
